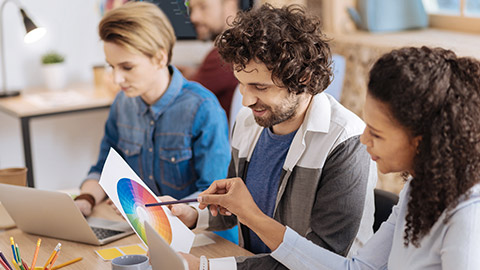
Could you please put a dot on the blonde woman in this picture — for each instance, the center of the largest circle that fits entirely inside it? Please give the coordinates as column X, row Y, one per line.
column 172, row 132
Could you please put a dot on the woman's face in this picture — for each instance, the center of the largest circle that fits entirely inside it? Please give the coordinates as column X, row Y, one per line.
column 388, row 143
column 135, row 73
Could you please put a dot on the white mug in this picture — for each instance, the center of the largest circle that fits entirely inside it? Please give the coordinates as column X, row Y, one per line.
column 131, row 262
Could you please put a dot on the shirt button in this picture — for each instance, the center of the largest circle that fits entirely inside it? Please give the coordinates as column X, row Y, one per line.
column 150, row 177
column 150, row 150
column 126, row 152
column 151, row 122
column 172, row 159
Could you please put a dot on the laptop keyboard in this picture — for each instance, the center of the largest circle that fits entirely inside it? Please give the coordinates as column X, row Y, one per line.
column 102, row 233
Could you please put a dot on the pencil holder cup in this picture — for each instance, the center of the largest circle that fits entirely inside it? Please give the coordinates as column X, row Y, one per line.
column 14, row 176
column 131, row 262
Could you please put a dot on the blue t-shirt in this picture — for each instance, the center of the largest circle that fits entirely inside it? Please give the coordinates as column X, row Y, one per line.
column 263, row 177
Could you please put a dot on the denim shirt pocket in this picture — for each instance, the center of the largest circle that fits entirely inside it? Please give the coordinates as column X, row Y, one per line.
column 177, row 168
column 129, row 148
column 131, row 152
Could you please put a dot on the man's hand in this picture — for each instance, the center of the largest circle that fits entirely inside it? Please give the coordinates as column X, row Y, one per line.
column 188, row 215
column 229, row 196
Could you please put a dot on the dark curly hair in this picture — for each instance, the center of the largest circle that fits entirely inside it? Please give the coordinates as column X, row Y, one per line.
column 286, row 40
column 433, row 94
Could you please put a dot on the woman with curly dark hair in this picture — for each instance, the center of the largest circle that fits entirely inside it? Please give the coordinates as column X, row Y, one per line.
column 422, row 113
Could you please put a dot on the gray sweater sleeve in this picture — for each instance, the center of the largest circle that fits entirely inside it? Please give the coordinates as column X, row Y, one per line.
column 340, row 201
column 338, row 207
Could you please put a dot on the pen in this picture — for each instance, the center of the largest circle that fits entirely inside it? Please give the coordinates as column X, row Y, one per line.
column 67, row 263
column 171, row 202
column 5, row 260
column 35, row 255
column 14, row 253
column 57, row 248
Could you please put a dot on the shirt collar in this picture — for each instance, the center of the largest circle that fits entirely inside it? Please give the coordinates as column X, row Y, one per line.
column 176, row 84
column 318, row 114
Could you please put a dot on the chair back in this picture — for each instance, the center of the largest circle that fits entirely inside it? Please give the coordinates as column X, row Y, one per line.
column 384, row 202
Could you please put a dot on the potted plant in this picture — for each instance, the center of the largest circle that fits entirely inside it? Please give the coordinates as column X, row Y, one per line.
column 53, row 65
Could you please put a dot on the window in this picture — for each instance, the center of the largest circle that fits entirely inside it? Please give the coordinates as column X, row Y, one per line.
column 460, row 15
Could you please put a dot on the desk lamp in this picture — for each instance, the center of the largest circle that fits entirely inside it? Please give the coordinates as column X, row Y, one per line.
column 33, row 33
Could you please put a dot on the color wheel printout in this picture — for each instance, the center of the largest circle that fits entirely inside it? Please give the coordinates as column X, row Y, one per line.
column 129, row 194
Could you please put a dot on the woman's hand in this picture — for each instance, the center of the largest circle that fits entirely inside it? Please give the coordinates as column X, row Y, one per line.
column 110, row 202
column 84, row 206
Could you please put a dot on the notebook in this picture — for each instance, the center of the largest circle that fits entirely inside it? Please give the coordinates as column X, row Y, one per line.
column 54, row 214
column 162, row 256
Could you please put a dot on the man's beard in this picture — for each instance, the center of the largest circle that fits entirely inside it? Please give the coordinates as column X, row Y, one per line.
column 277, row 115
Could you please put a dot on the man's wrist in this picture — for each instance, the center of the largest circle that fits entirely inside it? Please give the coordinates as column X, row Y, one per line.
column 88, row 197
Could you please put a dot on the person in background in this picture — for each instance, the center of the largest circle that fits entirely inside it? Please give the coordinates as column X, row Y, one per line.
column 210, row 18
column 422, row 110
column 296, row 149
column 172, row 132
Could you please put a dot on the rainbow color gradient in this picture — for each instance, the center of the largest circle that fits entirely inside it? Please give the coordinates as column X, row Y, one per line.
column 133, row 198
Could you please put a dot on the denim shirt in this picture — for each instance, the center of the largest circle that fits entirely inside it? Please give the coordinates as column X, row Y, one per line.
column 177, row 146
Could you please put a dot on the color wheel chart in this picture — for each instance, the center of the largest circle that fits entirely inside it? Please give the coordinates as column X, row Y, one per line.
column 133, row 198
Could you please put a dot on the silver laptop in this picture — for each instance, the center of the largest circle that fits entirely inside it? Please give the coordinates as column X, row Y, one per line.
column 54, row 214
column 162, row 256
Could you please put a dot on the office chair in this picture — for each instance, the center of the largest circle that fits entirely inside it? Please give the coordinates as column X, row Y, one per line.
column 384, row 201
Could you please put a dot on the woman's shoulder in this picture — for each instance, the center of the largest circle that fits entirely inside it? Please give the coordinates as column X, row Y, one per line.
column 468, row 205
column 198, row 90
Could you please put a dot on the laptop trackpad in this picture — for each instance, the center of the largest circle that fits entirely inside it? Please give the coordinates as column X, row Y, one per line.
column 108, row 224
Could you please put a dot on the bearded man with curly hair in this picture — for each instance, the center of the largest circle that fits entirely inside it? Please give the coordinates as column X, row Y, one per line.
column 296, row 148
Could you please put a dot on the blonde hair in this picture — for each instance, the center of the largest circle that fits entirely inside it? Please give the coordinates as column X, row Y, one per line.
column 139, row 27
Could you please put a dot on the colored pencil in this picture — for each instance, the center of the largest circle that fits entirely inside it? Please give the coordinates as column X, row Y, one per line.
column 171, row 202
column 4, row 264
column 35, row 255
column 15, row 264
column 14, row 253
column 25, row 265
column 19, row 259
column 55, row 250
column 67, row 263
column 53, row 261
column 5, row 260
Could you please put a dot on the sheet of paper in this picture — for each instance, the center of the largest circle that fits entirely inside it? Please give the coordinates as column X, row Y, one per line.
column 129, row 194
column 202, row 240
column 108, row 254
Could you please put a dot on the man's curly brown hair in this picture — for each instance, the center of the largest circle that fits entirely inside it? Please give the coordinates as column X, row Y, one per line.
column 286, row 40
column 433, row 94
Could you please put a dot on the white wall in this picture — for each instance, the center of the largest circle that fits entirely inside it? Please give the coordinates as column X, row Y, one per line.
column 63, row 146
column 71, row 30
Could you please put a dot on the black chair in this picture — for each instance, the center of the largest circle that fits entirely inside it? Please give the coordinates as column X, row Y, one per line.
column 384, row 201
